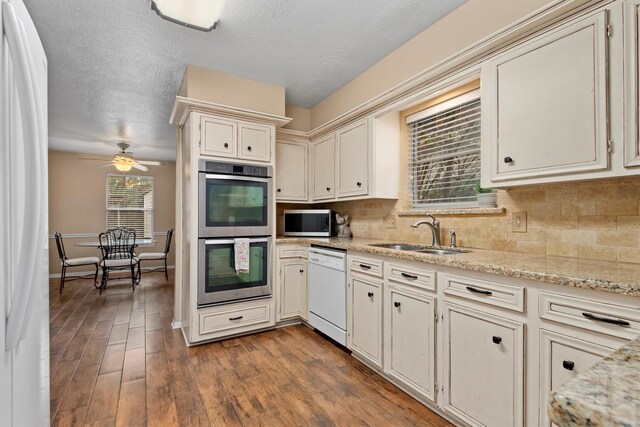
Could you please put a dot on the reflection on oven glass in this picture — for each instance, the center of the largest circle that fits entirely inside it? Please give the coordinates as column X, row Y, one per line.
column 222, row 276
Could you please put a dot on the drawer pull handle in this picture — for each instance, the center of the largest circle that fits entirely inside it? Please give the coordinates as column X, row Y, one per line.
column 365, row 266
column 617, row 322
column 568, row 365
column 396, row 304
column 409, row 276
column 479, row 291
column 496, row 340
column 370, row 294
column 236, row 318
column 226, row 145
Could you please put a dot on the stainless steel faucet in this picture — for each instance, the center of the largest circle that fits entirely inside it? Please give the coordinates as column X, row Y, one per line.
column 434, row 226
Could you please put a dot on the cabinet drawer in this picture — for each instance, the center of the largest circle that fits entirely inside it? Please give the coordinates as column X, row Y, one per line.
column 418, row 277
column 292, row 251
column 615, row 320
column 498, row 294
column 369, row 266
column 231, row 318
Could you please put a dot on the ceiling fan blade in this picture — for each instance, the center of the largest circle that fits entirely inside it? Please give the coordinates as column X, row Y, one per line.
column 140, row 167
column 104, row 159
column 149, row 162
column 104, row 166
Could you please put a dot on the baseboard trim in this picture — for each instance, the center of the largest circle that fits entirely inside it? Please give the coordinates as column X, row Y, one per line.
column 175, row 324
column 87, row 273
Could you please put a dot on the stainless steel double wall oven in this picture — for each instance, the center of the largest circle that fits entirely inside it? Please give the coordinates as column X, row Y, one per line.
column 235, row 201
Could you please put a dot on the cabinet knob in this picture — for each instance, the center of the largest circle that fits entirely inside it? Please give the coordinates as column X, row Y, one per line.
column 226, row 145
column 359, row 184
column 370, row 294
column 396, row 304
column 508, row 159
column 328, row 188
column 279, row 190
column 301, row 271
column 496, row 340
column 249, row 148
column 568, row 365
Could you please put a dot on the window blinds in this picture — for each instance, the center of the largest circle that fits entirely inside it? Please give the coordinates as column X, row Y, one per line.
column 444, row 152
column 130, row 203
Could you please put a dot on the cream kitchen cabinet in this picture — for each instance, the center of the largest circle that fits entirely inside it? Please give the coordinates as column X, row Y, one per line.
column 324, row 154
column 545, row 106
column 291, row 287
column 483, row 367
column 291, row 171
column 632, row 83
column 352, row 159
column 234, row 139
column 364, row 325
column 562, row 358
column 409, row 343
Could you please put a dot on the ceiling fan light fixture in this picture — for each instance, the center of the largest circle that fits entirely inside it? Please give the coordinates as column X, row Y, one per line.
column 123, row 167
column 202, row 15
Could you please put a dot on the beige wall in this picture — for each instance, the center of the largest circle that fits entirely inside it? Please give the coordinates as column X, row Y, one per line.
column 300, row 118
column 226, row 89
column 465, row 26
column 77, row 195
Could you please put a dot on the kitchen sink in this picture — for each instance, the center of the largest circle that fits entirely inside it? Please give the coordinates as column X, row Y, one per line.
column 420, row 249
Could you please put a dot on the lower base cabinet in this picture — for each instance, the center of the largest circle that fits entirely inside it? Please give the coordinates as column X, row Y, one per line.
column 410, row 339
column 483, row 366
column 365, row 333
column 293, row 289
column 562, row 358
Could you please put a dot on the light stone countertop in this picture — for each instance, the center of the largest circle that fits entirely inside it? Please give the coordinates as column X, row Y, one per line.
column 608, row 394
column 606, row 276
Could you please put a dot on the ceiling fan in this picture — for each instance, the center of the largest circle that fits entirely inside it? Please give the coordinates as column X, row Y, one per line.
column 124, row 160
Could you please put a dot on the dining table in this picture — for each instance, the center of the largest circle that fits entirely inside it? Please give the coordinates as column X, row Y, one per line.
column 139, row 243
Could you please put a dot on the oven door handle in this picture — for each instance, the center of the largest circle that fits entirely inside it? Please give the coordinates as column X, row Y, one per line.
column 231, row 241
column 236, row 178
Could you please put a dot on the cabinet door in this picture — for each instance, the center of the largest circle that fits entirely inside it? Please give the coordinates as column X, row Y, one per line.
column 218, row 137
column 255, row 142
column 365, row 336
column 562, row 358
column 547, row 104
column 293, row 289
column 324, row 168
column 409, row 339
column 631, row 83
column 483, row 367
column 352, row 144
column 291, row 171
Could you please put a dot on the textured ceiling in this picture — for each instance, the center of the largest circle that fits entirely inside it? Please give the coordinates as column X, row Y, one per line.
column 115, row 66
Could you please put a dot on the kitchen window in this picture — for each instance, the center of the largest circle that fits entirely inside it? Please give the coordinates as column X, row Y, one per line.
column 130, row 203
column 444, row 153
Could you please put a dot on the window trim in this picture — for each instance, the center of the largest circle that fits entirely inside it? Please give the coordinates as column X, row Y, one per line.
column 106, row 199
column 471, row 95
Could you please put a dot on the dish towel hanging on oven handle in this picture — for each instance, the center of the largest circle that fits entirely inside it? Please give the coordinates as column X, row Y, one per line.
column 241, row 254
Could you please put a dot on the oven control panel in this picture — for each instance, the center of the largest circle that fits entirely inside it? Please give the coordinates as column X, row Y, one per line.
column 234, row 169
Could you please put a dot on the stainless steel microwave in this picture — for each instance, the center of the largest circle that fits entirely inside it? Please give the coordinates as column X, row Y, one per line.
column 310, row 223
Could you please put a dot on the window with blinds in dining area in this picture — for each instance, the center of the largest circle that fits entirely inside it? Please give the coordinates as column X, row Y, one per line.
column 444, row 153
column 130, row 203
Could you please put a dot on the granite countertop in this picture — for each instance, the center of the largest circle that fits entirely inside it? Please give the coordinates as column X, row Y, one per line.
column 608, row 394
column 614, row 277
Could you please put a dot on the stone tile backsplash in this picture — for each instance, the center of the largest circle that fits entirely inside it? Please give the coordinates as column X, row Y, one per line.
column 589, row 220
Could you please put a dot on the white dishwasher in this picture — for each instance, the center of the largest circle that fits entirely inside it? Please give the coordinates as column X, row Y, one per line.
column 328, row 292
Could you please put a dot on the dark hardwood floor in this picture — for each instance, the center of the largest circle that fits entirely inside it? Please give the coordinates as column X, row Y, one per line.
column 116, row 361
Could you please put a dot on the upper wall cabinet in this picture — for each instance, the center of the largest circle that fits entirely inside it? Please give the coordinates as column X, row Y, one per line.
column 631, row 83
column 234, row 139
column 357, row 161
column 352, row 149
column 291, row 171
column 545, row 106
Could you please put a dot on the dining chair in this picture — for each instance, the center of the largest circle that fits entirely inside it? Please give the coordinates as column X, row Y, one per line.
column 66, row 262
column 158, row 256
column 117, row 246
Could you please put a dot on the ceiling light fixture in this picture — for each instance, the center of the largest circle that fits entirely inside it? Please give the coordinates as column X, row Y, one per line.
column 199, row 15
